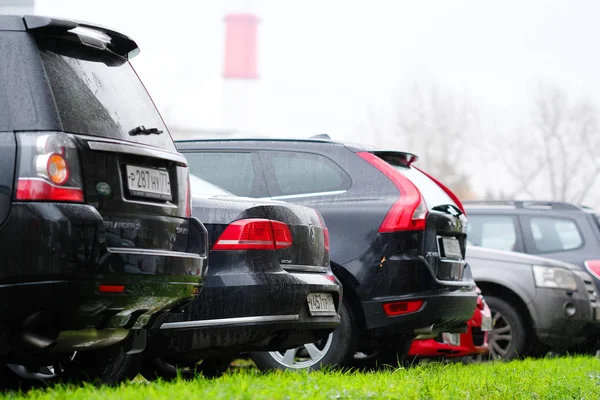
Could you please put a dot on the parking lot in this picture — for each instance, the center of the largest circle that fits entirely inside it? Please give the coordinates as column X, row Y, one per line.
column 167, row 233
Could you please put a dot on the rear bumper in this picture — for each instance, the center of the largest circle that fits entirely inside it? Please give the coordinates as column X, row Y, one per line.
column 447, row 311
column 247, row 312
column 447, row 304
column 473, row 342
column 55, row 258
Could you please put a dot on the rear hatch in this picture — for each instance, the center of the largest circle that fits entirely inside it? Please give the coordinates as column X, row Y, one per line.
column 308, row 249
column 444, row 237
column 126, row 164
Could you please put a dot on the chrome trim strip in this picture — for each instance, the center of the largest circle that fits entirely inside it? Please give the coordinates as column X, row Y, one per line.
column 303, row 268
column 301, row 195
column 229, row 321
column 152, row 252
column 138, row 150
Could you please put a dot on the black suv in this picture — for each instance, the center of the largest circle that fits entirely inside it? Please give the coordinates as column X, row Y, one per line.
column 397, row 236
column 96, row 238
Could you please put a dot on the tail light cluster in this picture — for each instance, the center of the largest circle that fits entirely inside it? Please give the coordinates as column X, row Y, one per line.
column 254, row 234
column 409, row 213
column 48, row 168
column 325, row 231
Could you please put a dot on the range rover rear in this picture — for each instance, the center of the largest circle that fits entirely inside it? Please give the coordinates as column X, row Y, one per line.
column 96, row 232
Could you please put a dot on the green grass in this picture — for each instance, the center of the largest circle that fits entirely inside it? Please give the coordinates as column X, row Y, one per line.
column 558, row 378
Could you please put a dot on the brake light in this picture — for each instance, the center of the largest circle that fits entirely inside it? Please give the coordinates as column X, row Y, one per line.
column 282, row 235
column 593, row 267
column 33, row 189
column 111, row 288
column 449, row 192
column 325, row 231
column 402, row 307
column 254, row 234
column 409, row 212
column 48, row 168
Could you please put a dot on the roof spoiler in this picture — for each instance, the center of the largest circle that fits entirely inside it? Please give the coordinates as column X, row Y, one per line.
column 89, row 34
column 405, row 157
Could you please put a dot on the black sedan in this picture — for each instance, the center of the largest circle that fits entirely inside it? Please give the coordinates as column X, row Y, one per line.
column 269, row 286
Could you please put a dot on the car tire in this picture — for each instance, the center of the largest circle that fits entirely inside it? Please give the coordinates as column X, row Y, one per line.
column 168, row 370
column 507, row 338
column 336, row 350
column 108, row 366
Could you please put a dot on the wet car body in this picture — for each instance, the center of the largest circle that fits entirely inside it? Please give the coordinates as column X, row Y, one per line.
column 89, row 259
column 397, row 281
column 252, row 299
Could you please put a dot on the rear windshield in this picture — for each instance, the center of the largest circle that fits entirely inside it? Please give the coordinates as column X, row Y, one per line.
column 433, row 194
column 97, row 99
column 201, row 188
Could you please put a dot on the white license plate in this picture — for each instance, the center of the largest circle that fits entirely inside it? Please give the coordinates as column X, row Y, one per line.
column 451, row 247
column 320, row 304
column 486, row 324
column 453, row 339
column 148, row 182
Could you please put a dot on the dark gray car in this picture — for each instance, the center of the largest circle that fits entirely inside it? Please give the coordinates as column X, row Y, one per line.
column 537, row 304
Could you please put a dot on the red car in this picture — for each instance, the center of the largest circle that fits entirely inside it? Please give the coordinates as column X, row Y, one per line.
column 472, row 342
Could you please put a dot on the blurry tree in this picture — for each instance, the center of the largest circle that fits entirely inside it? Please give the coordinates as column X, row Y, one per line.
column 437, row 126
column 560, row 156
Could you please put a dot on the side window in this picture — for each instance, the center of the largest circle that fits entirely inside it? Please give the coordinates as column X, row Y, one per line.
column 231, row 171
column 303, row 173
column 493, row 231
column 552, row 234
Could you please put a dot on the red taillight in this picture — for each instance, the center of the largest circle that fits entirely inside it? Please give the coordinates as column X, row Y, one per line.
column 111, row 288
column 254, row 234
column 402, row 307
column 282, row 235
column 33, row 189
column 449, row 192
column 593, row 267
column 409, row 213
column 48, row 168
column 325, row 231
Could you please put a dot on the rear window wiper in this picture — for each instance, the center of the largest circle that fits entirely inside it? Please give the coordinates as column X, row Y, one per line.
column 142, row 130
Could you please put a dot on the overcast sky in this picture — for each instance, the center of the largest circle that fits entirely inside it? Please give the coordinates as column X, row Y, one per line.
column 322, row 63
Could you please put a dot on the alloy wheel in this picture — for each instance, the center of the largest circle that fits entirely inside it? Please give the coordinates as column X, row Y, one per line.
column 500, row 337
column 304, row 356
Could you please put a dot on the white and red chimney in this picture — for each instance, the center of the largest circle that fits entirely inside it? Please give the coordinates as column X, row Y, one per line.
column 240, row 68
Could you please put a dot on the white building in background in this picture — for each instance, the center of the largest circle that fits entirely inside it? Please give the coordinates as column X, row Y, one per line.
column 18, row 7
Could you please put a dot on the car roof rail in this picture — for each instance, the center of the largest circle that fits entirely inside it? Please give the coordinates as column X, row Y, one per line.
column 536, row 204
